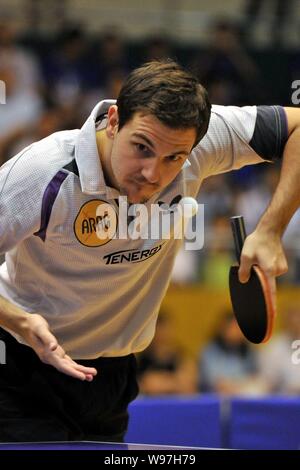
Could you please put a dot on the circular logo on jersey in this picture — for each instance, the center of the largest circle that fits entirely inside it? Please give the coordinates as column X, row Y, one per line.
column 96, row 223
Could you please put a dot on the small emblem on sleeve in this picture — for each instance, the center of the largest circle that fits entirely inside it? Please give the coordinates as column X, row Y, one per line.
column 96, row 223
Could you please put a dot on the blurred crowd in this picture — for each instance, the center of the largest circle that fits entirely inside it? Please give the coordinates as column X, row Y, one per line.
column 227, row 364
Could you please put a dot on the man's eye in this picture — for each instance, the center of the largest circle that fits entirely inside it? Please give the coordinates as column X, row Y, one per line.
column 175, row 158
column 142, row 149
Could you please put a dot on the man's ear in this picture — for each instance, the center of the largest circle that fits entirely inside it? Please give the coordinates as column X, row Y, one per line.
column 112, row 121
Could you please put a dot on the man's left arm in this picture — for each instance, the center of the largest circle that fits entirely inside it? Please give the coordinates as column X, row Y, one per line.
column 263, row 246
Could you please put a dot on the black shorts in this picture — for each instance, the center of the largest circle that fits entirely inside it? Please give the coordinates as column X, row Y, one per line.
column 38, row 403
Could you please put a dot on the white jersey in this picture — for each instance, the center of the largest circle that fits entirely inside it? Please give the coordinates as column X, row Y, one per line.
column 103, row 300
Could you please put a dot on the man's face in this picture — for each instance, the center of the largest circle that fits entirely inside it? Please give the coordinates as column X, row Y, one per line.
column 146, row 155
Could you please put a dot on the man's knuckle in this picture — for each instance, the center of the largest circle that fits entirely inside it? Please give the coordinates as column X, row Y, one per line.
column 270, row 270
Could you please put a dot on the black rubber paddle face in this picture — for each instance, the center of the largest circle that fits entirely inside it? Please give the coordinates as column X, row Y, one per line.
column 249, row 306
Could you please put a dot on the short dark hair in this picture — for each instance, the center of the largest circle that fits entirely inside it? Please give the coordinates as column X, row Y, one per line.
column 167, row 91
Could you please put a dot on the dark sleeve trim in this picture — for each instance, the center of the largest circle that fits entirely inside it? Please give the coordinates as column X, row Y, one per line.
column 270, row 132
column 48, row 201
column 284, row 129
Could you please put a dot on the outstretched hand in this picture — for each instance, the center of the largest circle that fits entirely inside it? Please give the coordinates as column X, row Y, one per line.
column 37, row 334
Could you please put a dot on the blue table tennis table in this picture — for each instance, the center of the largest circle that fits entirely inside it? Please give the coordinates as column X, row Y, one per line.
column 89, row 445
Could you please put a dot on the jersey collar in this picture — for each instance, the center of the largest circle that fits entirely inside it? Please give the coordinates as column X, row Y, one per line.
column 86, row 153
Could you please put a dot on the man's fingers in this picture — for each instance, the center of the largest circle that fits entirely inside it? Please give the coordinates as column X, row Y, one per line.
column 272, row 285
column 68, row 369
column 86, row 370
column 272, row 282
column 245, row 269
column 66, row 365
column 63, row 363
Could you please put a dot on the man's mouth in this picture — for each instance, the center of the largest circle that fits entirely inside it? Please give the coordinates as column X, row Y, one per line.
column 140, row 182
column 146, row 185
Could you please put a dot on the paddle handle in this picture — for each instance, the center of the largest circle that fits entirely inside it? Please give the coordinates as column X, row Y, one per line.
column 239, row 234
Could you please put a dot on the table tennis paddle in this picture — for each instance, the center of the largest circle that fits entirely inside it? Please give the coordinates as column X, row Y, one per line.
column 252, row 302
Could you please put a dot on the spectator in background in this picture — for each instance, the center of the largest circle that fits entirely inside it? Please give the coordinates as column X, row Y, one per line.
column 228, row 365
column 158, row 47
column 276, row 359
column 110, row 55
column 108, row 59
column 68, row 69
column 22, row 110
column 226, row 69
column 53, row 119
column 281, row 12
column 217, row 257
column 222, row 91
column 23, row 63
column 252, row 201
column 217, row 197
column 20, row 73
column 163, row 367
column 186, row 267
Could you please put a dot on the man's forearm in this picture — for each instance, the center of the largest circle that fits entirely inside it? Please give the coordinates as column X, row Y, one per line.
column 34, row 329
column 11, row 316
column 286, row 198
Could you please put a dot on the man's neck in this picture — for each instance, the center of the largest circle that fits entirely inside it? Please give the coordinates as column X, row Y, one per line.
column 104, row 150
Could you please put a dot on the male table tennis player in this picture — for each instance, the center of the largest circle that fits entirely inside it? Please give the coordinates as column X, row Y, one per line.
column 73, row 310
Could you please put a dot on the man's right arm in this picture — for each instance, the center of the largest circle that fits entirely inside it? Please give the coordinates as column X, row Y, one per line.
column 21, row 190
column 34, row 329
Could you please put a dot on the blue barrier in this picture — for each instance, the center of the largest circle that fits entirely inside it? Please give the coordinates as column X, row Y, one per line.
column 265, row 423
column 272, row 422
column 177, row 420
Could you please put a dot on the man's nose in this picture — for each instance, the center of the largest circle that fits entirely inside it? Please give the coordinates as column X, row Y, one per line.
column 152, row 171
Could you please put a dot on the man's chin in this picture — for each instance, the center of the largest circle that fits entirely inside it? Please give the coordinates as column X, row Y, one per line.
column 137, row 198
